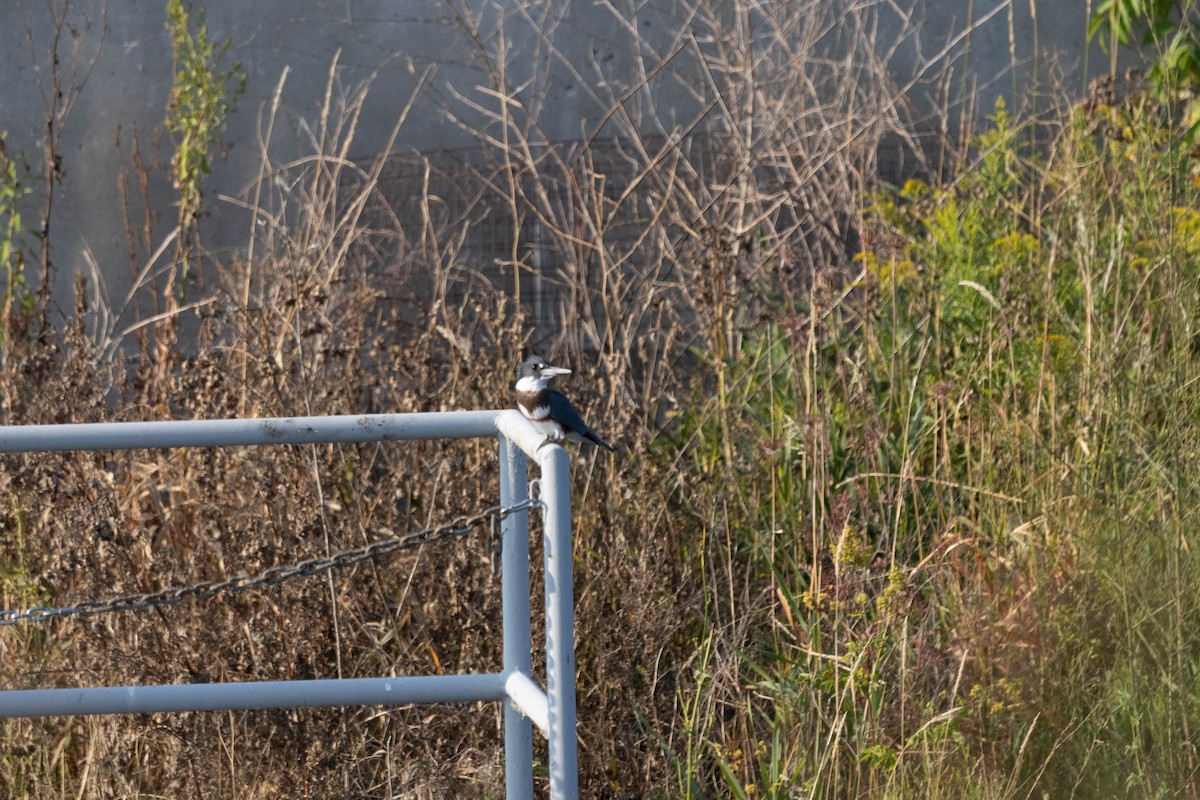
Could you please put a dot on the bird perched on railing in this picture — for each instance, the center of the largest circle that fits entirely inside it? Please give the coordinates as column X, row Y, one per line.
column 549, row 409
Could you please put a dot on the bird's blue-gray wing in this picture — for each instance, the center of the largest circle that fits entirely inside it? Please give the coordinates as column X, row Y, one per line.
column 565, row 413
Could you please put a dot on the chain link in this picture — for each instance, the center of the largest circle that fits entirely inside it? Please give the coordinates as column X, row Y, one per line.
column 458, row 527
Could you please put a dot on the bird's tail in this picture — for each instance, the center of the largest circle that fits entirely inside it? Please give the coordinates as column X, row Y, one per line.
column 596, row 440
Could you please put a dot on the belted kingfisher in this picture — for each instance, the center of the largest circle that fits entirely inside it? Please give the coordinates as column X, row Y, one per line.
column 549, row 409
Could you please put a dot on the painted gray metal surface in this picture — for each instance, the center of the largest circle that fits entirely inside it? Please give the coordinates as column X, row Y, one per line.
column 555, row 487
column 528, row 698
column 232, row 432
column 560, row 622
column 252, row 695
column 514, row 587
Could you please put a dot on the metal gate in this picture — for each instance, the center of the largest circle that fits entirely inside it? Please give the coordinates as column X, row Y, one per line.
column 525, row 703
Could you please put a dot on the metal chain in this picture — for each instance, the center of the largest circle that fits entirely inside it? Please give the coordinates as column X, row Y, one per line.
column 458, row 527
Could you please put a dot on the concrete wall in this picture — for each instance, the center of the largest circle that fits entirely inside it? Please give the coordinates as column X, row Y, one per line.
column 396, row 42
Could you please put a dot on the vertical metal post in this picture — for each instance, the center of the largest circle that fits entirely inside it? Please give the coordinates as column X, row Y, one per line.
column 514, row 560
column 560, row 623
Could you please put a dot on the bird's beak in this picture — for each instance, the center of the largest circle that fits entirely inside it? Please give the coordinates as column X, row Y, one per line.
column 555, row 371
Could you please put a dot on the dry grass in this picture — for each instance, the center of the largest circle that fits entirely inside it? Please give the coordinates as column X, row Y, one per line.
column 312, row 321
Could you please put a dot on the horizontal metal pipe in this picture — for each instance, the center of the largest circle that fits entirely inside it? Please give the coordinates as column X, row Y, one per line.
column 253, row 695
column 529, row 699
column 262, row 431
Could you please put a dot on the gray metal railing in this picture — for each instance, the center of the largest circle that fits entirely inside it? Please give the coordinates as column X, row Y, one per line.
column 525, row 704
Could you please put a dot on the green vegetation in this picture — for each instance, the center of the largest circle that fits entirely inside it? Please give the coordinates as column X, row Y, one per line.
column 12, row 258
column 1171, row 33
column 201, row 100
column 1007, row 408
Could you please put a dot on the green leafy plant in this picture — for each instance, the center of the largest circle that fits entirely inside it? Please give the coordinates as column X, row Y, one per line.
column 12, row 260
column 203, row 96
column 1168, row 26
